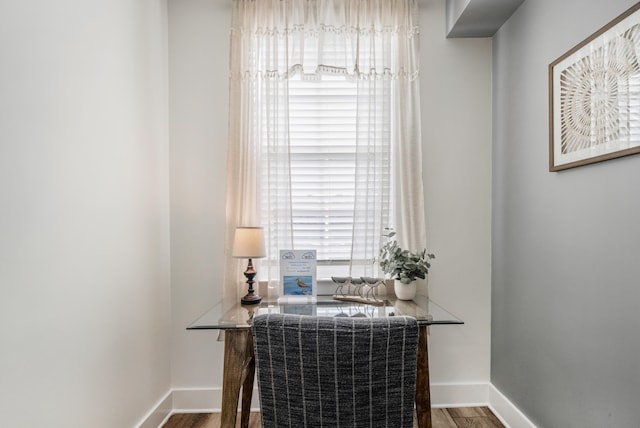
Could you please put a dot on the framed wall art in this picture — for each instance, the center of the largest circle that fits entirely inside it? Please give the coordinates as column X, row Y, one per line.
column 594, row 96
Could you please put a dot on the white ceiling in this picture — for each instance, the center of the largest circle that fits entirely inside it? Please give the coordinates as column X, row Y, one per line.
column 478, row 18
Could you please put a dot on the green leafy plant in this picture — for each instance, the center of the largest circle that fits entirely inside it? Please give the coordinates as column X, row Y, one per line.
column 403, row 265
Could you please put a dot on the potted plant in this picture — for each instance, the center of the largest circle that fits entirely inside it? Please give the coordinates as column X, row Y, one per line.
column 403, row 266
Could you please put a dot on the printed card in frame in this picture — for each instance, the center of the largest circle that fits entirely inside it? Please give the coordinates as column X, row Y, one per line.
column 594, row 96
column 298, row 270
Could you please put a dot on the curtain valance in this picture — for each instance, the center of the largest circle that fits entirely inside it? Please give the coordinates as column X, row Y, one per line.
column 372, row 39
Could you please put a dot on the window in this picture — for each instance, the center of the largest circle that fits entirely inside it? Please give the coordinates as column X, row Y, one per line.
column 324, row 118
column 322, row 124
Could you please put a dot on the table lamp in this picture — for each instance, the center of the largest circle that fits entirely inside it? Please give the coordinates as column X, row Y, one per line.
column 248, row 243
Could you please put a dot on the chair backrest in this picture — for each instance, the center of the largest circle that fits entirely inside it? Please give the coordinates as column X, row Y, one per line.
column 335, row 371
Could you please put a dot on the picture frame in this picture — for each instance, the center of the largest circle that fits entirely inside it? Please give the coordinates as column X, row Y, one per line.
column 298, row 275
column 594, row 96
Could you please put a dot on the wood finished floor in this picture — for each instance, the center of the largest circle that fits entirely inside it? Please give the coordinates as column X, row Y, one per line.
column 466, row 417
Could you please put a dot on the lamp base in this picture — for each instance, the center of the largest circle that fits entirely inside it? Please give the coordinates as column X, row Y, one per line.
column 251, row 299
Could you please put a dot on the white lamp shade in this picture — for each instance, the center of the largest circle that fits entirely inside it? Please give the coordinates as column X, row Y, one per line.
column 248, row 243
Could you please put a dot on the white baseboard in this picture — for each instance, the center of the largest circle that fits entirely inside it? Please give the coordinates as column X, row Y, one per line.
column 459, row 394
column 157, row 416
column 188, row 400
column 504, row 409
column 206, row 400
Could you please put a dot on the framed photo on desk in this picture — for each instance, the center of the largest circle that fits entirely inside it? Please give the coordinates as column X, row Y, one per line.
column 298, row 269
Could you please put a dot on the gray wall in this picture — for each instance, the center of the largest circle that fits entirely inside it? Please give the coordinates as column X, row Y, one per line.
column 566, row 246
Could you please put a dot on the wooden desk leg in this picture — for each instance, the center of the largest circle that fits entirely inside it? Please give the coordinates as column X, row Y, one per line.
column 247, row 385
column 235, row 349
column 423, row 393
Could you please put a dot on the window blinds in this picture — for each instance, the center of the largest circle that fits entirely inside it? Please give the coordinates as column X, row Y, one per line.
column 322, row 125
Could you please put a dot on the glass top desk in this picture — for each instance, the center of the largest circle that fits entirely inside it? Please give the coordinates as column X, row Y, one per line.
column 239, row 365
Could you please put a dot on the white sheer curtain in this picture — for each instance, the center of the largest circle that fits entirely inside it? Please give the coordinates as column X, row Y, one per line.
column 374, row 42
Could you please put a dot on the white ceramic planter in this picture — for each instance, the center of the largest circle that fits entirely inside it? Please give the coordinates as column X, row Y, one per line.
column 405, row 291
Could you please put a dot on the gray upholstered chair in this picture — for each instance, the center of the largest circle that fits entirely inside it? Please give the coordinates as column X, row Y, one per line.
column 335, row 371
